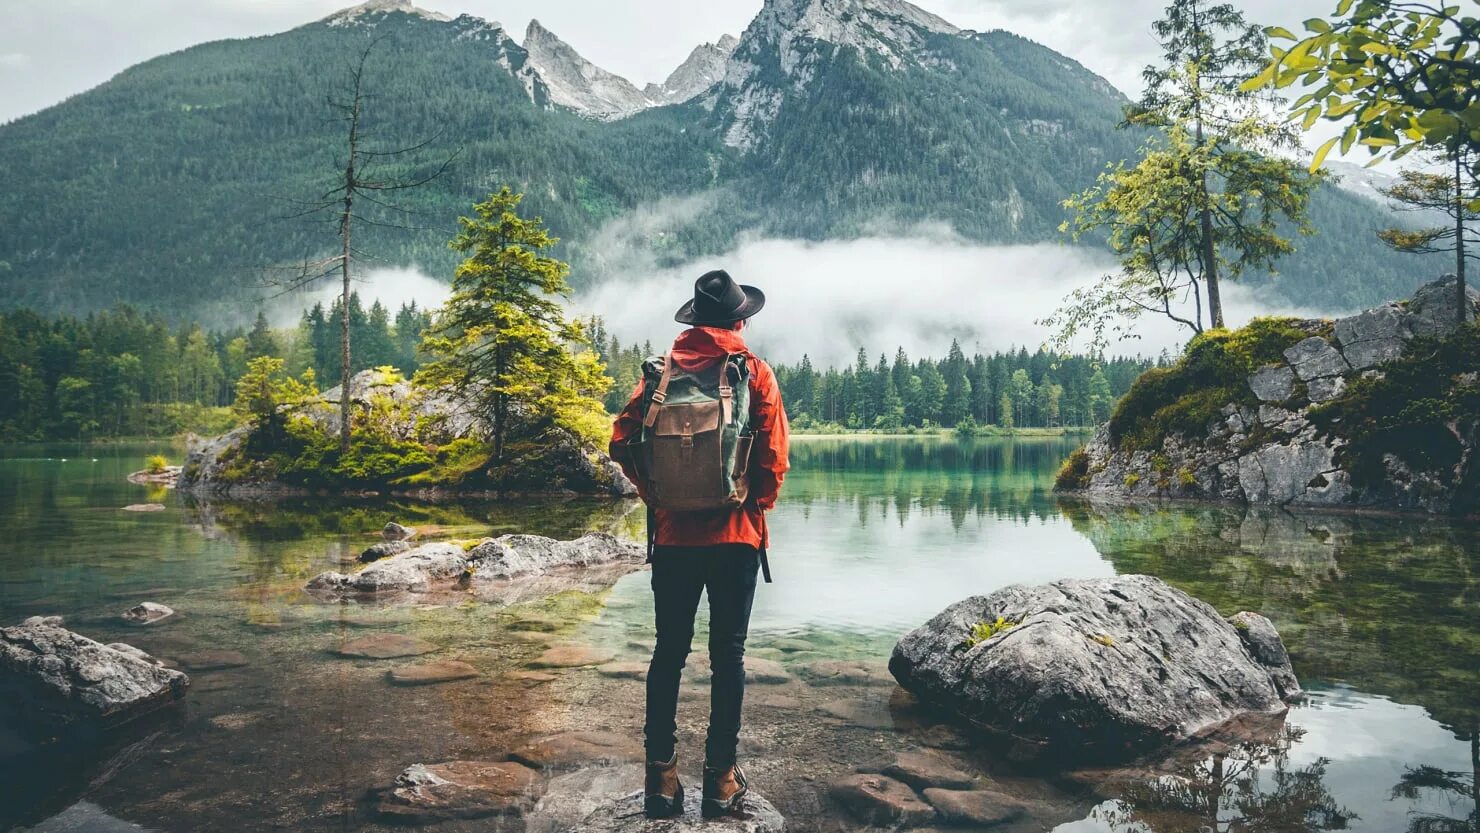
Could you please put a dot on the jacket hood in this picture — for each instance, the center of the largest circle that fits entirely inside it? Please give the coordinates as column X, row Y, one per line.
column 699, row 346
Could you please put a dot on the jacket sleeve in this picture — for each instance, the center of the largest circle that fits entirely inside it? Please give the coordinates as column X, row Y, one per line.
column 627, row 425
column 768, row 461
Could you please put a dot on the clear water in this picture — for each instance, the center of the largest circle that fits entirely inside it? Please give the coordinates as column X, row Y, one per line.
column 1382, row 617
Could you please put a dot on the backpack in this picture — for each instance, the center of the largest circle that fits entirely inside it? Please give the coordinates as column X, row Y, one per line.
column 694, row 447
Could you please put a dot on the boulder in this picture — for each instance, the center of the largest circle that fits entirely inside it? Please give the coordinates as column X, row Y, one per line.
column 1282, row 474
column 55, row 677
column 624, row 815
column 1372, row 337
column 414, row 570
column 1094, row 669
column 881, row 800
column 44, row 620
column 1432, row 310
column 461, row 790
column 395, row 532
column 1326, row 388
column 384, row 549
column 147, row 613
column 517, row 556
column 1273, row 384
column 974, row 808
column 1314, row 357
column 431, row 673
column 430, row 566
column 923, row 769
column 385, row 646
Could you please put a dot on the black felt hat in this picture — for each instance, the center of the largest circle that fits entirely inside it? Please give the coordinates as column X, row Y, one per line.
column 718, row 300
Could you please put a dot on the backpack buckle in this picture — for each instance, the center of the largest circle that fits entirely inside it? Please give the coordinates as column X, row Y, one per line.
column 659, row 396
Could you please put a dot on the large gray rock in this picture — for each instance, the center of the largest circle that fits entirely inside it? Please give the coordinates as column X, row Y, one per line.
column 515, row 556
column 412, row 571
column 430, row 566
column 1273, row 384
column 383, row 549
column 1432, row 310
column 1314, row 357
column 461, row 790
column 624, row 815
column 1282, row 474
column 56, row 677
column 1372, row 337
column 1094, row 669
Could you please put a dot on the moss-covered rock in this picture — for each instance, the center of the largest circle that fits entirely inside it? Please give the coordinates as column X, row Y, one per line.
column 1377, row 410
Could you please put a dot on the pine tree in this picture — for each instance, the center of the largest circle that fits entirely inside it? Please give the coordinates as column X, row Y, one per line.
column 261, row 341
column 503, row 338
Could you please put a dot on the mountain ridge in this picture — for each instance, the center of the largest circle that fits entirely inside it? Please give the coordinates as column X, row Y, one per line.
column 179, row 174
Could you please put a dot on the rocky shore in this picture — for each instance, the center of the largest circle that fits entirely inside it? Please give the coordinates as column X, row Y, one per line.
column 1286, row 436
column 228, row 466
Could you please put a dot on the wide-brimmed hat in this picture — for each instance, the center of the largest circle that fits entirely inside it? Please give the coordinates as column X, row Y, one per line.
column 718, row 300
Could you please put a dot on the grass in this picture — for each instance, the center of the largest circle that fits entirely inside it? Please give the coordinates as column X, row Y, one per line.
column 982, row 631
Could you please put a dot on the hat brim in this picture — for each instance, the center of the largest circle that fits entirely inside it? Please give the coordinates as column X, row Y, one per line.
column 754, row 300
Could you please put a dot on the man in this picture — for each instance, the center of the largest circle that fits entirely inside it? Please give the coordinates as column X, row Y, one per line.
column 718, row 550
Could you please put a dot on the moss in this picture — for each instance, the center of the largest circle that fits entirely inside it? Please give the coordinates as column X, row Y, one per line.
column 1408, row 411
column 1104, row 639
column 1212, row 373
column 1132, row 479
column 1074, row 473
column 982, row 631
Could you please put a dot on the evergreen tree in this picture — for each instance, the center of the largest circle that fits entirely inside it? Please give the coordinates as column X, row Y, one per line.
column 503, row 338
column 261, row 341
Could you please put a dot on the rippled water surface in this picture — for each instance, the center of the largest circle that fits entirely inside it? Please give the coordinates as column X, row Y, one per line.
column 872, row 537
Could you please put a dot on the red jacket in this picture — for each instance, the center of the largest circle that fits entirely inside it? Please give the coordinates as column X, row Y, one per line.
column 746, row 524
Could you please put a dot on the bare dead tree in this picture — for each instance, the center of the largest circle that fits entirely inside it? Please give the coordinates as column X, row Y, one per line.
column 355, row 185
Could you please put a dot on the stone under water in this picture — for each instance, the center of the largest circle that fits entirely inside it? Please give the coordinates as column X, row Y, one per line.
column 624, row 815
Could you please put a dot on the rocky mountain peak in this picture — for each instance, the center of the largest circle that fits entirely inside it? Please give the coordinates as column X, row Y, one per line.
column 576, row 83
column 704, row 67
column 370, row 10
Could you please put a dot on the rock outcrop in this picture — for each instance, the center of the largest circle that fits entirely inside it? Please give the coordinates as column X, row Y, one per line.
column 433, row 566
column 1266, row 448
column 1095, row 669
column 56, row 678
column 565, row 463
column 624, row 815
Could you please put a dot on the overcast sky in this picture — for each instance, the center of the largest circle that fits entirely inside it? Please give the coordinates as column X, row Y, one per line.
column 50, row 49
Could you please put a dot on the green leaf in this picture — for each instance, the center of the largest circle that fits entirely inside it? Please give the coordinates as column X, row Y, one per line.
column 1315, row 164
column 1279, row 32
column 1318, row 25
column 1348, row 138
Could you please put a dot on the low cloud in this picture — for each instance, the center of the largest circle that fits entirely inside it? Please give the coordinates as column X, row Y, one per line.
column 919, row 291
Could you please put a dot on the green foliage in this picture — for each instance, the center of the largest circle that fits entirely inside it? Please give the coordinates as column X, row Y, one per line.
column 1402, row 76
column 967, row 428
column 1132, row 479
column 982, row 631
column 503, row 340
column 156, row 463
column 1417, row 410
column 1211, row 374
column 266, row 390
column 1074, row 473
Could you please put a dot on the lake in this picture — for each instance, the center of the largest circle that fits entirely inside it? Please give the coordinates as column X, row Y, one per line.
column 872, row 537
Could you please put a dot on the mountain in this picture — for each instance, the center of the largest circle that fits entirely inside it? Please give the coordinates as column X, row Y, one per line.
column 704, row 67
column 179, row 183
column 578, row 84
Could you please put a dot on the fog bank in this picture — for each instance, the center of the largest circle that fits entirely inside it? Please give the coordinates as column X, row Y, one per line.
column 392, row 286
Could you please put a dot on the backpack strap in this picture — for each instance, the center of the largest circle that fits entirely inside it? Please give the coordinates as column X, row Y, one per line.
column 726, row 391
column 660, row 392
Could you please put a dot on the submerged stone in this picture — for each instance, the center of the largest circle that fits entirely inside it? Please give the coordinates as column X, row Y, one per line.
column 574, row 749
column 924, row 769
column 431, row 673
column 881, row 800
column 980, row 808
column 624, row 815
column 212, row 660
column 385, row 646
column 570, row 656
column 461, row 790
column 1096, row 668
column 147, row 613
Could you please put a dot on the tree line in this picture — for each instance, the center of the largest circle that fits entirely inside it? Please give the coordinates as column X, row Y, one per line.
column 1011, row 388
column 123, row 372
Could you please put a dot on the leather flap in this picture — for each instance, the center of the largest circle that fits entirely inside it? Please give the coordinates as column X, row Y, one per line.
column 694, row 418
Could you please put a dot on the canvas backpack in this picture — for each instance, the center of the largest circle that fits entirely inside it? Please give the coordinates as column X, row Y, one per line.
column 694, row 447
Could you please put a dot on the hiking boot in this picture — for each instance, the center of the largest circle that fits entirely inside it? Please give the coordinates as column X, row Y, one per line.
column 723, row 791
column 662, row 792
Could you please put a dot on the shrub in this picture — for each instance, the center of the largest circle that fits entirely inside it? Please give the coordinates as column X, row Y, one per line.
column 966, row 429
column 982, row 631
column 1132, row 479
column 155, row 464
column 1074, row 473
column 1185, row 478
column 1212, row 373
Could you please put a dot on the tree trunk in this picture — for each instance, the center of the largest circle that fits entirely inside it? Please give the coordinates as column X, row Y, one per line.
column 344, row 357
column 1205, row 211
column 1462, row 304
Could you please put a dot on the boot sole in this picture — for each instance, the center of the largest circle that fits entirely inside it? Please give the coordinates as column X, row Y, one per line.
column 713, row 808
column 662, row 807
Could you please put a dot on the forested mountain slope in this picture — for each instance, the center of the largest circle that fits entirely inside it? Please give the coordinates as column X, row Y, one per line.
column 172, row 185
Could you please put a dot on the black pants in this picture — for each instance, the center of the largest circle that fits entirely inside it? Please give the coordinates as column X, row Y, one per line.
column 680, row 574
